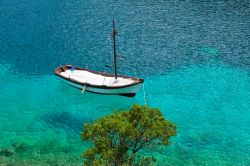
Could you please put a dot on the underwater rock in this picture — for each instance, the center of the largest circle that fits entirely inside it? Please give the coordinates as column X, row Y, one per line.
column 53, row 162
column 7, row 152
column 66, row 149
column 19, row 147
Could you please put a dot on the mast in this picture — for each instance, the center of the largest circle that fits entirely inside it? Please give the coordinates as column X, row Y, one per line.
column 114, row 32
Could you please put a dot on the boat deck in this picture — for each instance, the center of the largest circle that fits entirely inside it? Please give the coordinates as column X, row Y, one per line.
column 84, row 76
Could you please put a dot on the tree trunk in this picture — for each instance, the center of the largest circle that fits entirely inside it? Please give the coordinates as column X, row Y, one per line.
column 132, row 158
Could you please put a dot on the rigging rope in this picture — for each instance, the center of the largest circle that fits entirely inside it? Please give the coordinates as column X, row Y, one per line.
column 120, row 58
column 144, row 94
column 84, row 88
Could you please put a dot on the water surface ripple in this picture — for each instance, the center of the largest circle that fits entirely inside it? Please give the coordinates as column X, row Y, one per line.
column 193, row 54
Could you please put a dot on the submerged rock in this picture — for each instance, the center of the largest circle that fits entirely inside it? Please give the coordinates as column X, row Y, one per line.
column 7, row 152
column 53, row 162
column 19, row 147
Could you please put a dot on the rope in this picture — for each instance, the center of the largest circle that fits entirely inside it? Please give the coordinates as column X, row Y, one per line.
column 144, row 94
column 84, row 88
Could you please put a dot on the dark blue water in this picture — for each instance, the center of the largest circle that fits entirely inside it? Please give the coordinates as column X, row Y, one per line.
column 37, row 36
column 194, row 55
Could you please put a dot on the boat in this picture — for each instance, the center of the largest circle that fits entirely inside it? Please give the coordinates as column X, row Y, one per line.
column 100, row 82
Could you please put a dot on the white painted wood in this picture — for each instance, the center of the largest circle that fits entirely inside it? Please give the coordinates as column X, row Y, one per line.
column 84, row 76
column 125, row 90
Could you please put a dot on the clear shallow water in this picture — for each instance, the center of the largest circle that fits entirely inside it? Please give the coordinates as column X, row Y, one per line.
column 194, row 56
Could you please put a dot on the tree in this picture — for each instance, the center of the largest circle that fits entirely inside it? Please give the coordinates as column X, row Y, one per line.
column 119, row 137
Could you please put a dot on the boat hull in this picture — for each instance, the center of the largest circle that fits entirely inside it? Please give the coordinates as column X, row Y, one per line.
column 99, row 82
column 129, row 91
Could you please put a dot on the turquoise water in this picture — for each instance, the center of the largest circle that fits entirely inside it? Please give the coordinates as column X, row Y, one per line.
column 194, row 56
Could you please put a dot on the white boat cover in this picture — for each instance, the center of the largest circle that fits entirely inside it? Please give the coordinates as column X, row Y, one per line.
column 95, row 79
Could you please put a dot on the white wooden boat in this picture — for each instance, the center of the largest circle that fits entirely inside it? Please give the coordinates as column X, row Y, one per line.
column 100, row 82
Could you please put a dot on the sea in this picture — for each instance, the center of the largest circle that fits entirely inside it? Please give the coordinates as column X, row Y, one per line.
column 193, row 54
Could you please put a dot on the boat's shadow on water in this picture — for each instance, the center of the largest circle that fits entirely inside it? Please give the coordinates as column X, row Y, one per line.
column 65, row 120
column 76, row 109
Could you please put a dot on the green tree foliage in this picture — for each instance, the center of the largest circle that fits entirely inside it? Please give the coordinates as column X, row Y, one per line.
column 118, row 137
